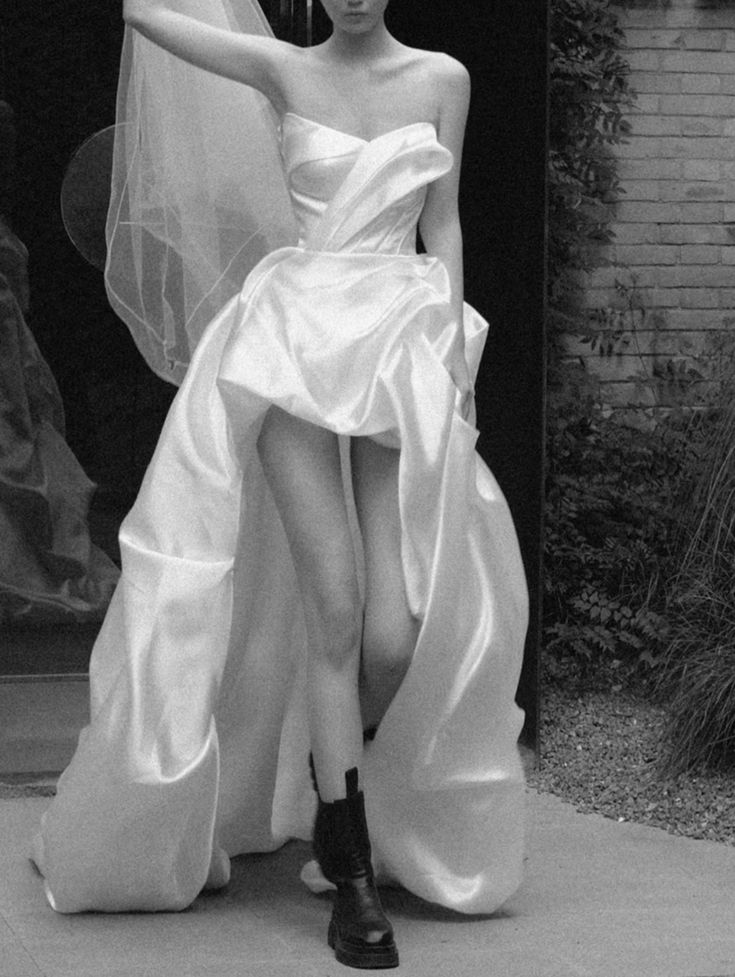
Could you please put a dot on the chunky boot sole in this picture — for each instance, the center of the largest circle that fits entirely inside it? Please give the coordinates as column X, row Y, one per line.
column 362, row 956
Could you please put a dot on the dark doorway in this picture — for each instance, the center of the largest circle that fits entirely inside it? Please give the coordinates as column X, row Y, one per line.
column 58, row 69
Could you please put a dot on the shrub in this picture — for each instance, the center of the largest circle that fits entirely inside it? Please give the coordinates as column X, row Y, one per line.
column 598, row 543
column 697, row 670
column 611, row 528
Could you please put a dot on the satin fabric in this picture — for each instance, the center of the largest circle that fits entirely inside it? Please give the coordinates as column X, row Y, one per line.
column 198, row 745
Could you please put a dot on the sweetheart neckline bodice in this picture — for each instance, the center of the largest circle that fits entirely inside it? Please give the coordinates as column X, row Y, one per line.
column 359, row 139
column 355, row 194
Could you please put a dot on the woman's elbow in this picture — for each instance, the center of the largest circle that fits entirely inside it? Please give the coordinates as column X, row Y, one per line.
column 130, row 12
column 438, row 236
column 134, row 12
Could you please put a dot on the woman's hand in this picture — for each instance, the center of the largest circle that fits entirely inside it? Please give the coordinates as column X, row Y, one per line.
column 460, row 375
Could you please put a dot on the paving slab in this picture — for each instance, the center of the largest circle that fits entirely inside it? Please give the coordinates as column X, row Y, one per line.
column 599, row 899
column 42, row 716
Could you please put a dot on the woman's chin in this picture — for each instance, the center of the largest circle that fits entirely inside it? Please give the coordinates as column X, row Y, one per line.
column 357, row 23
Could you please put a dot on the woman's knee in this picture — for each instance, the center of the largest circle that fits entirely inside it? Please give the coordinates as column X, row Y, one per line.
column 388, row 645
column 334, row 615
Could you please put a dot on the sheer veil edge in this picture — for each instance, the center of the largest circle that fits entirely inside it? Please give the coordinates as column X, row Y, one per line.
column 198, row 194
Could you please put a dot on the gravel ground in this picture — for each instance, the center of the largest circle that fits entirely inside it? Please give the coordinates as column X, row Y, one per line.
column 602, row 752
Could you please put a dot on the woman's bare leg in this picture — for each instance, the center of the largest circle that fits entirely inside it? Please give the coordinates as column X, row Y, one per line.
column 390, row 630
column 302, row 465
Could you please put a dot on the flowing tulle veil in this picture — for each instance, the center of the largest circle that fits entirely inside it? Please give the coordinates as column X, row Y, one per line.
column 198, row 195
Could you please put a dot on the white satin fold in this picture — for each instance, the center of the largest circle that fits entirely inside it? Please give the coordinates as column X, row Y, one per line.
column 198, row 745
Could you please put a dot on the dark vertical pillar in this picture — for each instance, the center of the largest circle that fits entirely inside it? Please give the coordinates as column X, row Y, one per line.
column 503, row 217
column 290, row 20
column 7, row 160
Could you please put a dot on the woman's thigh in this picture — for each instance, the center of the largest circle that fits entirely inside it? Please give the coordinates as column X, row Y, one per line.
column 301, row 463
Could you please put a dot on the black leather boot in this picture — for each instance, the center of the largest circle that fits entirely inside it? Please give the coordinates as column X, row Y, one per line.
column 359, row 931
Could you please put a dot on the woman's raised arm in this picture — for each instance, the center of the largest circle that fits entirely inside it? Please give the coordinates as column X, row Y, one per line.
column 253, row 60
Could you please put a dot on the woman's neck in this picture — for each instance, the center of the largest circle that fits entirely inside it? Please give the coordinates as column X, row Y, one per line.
column 346, row 46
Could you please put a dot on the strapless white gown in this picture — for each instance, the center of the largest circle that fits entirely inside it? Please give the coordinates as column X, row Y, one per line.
column 198, row 744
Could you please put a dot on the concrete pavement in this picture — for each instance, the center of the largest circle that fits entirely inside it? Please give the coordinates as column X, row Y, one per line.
column 599, row 899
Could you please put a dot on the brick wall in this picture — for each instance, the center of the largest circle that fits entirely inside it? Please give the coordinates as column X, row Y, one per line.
column 674, row 251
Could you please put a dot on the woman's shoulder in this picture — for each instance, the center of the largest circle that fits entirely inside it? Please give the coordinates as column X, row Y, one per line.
column 434, row 61
column 439, row 70
column 448, row 67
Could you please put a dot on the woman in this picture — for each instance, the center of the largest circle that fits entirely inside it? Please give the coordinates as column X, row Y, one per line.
column 231, row 654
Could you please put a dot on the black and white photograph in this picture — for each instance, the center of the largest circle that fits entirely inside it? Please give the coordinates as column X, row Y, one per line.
column 367, row 488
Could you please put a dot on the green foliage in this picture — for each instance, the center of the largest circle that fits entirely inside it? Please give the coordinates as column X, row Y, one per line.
column 611, row 524
column 640, row 527
column 588, row 95
column 685, row 378
column 600, row 505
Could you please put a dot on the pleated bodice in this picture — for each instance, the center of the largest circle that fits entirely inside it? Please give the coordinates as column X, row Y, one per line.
column 318, row 159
